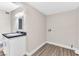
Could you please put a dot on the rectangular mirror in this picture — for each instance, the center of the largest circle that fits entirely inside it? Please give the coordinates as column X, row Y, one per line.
column 20, row 23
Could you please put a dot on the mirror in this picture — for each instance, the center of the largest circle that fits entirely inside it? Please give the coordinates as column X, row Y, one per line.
column 20, row 23
column 19, row 20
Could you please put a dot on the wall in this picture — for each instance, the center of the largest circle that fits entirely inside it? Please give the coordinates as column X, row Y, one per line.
column 34, row 25
column 5, row 22
column 13, row 19
column 77, row 22
column 64, row 28
column 37, row 26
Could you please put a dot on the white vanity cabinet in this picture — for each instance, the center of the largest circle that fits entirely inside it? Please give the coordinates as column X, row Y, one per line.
column 15, row 46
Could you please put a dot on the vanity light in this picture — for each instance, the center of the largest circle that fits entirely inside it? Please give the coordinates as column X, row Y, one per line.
column 20, row 14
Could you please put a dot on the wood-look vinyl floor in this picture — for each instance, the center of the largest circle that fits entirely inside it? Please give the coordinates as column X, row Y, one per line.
column 52, row 50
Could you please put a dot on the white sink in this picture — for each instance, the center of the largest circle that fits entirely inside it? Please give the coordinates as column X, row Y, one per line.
column 14, row 34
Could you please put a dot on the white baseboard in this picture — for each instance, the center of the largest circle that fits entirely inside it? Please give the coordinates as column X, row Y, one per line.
column 34, row 50
column 60, row 45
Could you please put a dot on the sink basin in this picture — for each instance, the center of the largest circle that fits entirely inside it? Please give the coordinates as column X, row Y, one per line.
column 14, row 34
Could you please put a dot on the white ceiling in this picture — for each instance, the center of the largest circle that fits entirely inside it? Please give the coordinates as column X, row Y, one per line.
column 48, row 8
column 8, row 6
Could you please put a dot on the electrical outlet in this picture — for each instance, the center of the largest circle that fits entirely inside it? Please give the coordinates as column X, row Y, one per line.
column 72, row 46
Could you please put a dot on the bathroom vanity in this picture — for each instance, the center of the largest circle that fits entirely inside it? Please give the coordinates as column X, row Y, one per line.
column 14, row 44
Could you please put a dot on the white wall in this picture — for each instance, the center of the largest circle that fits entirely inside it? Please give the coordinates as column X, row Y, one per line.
column 36, row 28
column 13, row 19
column 5, row 22
column 34, row 25
column 77, row 21
column 64, row 28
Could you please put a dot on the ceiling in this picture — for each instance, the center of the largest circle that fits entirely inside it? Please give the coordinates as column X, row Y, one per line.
column 8, row 6
column 48, row 8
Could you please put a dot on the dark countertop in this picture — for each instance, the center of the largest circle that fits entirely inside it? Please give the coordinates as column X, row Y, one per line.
column 19, row 32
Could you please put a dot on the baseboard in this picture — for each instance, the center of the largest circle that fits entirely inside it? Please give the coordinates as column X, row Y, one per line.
column 60, row 45
column 34, row 50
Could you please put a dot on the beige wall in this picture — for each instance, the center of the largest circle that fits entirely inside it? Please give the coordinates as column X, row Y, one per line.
column 5, row 22
column 34, row 25
column 64, row 28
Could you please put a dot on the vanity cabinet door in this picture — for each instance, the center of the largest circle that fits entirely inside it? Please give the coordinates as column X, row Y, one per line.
column 18, row 46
